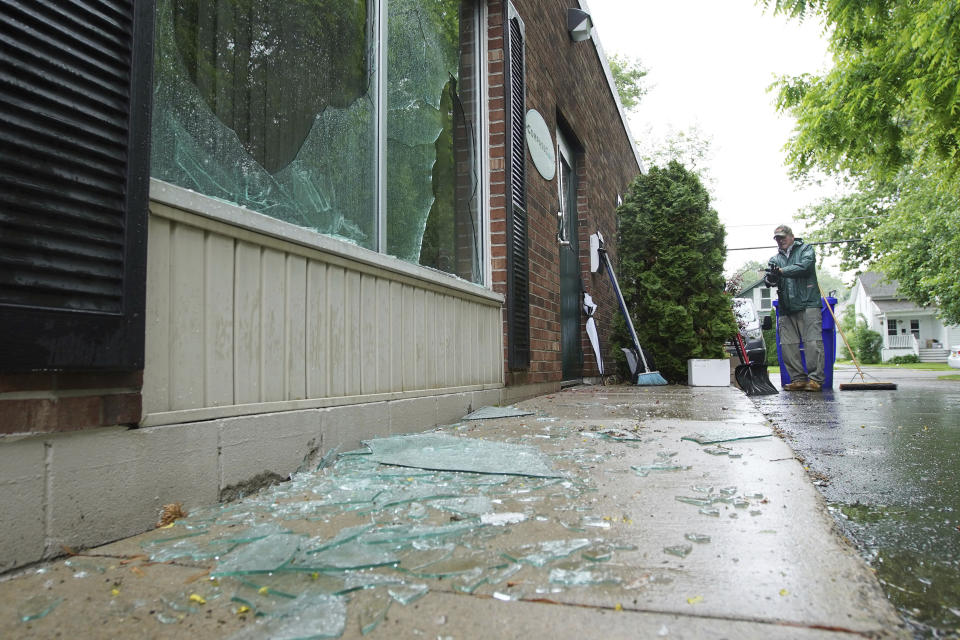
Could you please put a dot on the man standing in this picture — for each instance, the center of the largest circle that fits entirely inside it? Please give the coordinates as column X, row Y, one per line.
column 793, row 272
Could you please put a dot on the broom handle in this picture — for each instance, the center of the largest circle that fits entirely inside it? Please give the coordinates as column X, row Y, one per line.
column 837, row 325
column 623, row 307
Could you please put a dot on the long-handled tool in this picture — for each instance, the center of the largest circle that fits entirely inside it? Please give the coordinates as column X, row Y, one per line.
column 645, row 377
column 863, row 385
column 752, row 376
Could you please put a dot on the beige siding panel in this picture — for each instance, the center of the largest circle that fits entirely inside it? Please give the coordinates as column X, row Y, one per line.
column 420, row 338
column 397, row 343
column 247, row 323
column 337, row 335
column 384, row 347
column 296, row 328
column 273, row 325
column 369, row 344
column 186, row 318
column 408, row 339
column 430, row 307
column 156, row 368
column 218, row 321
column 353, row 317
column 318, row 333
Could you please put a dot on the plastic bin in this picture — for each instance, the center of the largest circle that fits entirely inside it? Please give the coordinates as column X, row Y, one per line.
column 829, row 343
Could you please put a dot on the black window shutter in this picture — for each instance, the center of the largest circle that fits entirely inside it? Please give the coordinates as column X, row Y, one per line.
column 518, row 285
column 75, row 101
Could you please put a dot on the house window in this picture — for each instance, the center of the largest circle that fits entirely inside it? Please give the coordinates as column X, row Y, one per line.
column 891, row 327
column 358, row 120
column 765, row 299
column 915, row 328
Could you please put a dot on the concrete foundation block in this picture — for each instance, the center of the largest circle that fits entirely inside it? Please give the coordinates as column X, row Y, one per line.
column 486, row 398
column 346, row 426
column 102, row 487
column 413, row 415
column 452, row 407
column 184, row 464
column 275, row 444
column 22, row 500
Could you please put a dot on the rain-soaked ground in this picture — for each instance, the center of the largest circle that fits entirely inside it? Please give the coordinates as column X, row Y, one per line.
column 888, row 463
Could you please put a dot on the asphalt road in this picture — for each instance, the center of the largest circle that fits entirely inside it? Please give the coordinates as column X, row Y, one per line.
column 888, row 464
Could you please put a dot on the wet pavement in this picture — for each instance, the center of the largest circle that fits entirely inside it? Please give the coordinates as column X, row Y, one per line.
column 888, row 463
column 614, row 512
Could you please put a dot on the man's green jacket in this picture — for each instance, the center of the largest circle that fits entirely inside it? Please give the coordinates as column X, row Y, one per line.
column 798, row 287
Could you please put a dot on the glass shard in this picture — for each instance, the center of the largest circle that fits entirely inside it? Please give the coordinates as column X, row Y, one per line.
column 310, row 615
column 444, row 452
column 680, row 550
column 260, row 556
column 484, row 413
column 728, row 434
column 37, row 607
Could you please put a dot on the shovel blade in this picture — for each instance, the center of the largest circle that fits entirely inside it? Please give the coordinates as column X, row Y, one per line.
column 753, row 379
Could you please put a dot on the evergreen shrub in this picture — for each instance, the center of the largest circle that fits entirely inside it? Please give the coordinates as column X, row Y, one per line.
column 670, row 257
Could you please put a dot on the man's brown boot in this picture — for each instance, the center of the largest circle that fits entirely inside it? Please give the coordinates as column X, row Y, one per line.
column 797, row 385
column 813, row 385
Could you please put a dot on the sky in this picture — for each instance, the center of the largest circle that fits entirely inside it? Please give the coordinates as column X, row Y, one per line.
column 710, row 63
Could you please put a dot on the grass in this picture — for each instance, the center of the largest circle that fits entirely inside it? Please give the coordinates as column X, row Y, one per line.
column 925, row 366
column 953, row 376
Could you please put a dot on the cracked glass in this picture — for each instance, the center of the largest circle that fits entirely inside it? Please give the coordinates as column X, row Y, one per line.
column 274, row 106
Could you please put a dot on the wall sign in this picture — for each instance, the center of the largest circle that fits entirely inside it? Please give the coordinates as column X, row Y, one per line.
column 540, row 144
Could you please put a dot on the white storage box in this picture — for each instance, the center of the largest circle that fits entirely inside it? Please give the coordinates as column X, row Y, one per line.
column 708, row 373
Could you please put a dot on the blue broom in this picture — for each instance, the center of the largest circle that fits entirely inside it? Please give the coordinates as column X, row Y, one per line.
column 634, row 356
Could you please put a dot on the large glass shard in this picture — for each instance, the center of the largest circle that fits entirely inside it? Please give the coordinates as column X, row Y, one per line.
column 317, row 544
column 260, row 556
column 444, row 452
column 486, row 413
column 309, row 616
column 407, row 593
column 256, row 532
column 467, row 505
column 728, row 434
column 351, row 555
column 372, row 605
column 402, row 533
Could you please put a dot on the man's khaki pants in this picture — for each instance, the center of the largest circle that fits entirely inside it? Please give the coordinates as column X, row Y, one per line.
column 802, row 326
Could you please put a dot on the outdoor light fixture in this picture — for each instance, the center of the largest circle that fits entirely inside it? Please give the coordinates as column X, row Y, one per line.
column 579, row 24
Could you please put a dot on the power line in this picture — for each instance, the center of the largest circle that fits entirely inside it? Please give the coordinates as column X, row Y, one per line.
column 775, row 246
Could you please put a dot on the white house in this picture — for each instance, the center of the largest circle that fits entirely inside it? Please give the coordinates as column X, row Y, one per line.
column 906, row 328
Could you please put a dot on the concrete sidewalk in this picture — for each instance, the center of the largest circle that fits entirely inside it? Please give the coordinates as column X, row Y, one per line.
column 750, row 551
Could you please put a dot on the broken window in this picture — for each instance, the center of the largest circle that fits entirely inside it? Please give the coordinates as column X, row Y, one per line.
column 305, row 112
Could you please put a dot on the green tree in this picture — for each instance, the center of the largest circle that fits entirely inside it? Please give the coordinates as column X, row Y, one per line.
column 671, row 252
column 886, row 117
column 628, row 76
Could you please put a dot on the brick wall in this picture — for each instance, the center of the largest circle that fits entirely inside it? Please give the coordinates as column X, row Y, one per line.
column 55, row 402
column 566, row 84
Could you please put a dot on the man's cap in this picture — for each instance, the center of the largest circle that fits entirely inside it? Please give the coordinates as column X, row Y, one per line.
column 782, row 230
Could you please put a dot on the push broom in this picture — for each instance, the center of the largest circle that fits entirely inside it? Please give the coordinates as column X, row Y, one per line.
column 635, row 356
column 863, row 385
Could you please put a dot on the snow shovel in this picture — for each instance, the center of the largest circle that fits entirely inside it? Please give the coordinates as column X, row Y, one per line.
column 752, row 376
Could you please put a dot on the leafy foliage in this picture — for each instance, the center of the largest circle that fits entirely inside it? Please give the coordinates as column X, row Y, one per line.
column 628, row 75
column 887, row 118
column 671, row 253
column 910, row 359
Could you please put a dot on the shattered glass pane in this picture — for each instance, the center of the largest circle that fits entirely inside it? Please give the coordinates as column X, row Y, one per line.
column 583, row 577
column 407, row 593
column 432, row 175
column 488, row 413
column 269, row 106
column 445, row 452
column 373, row 606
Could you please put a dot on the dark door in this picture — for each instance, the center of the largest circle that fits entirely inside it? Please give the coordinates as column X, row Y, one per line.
column 571, row 351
